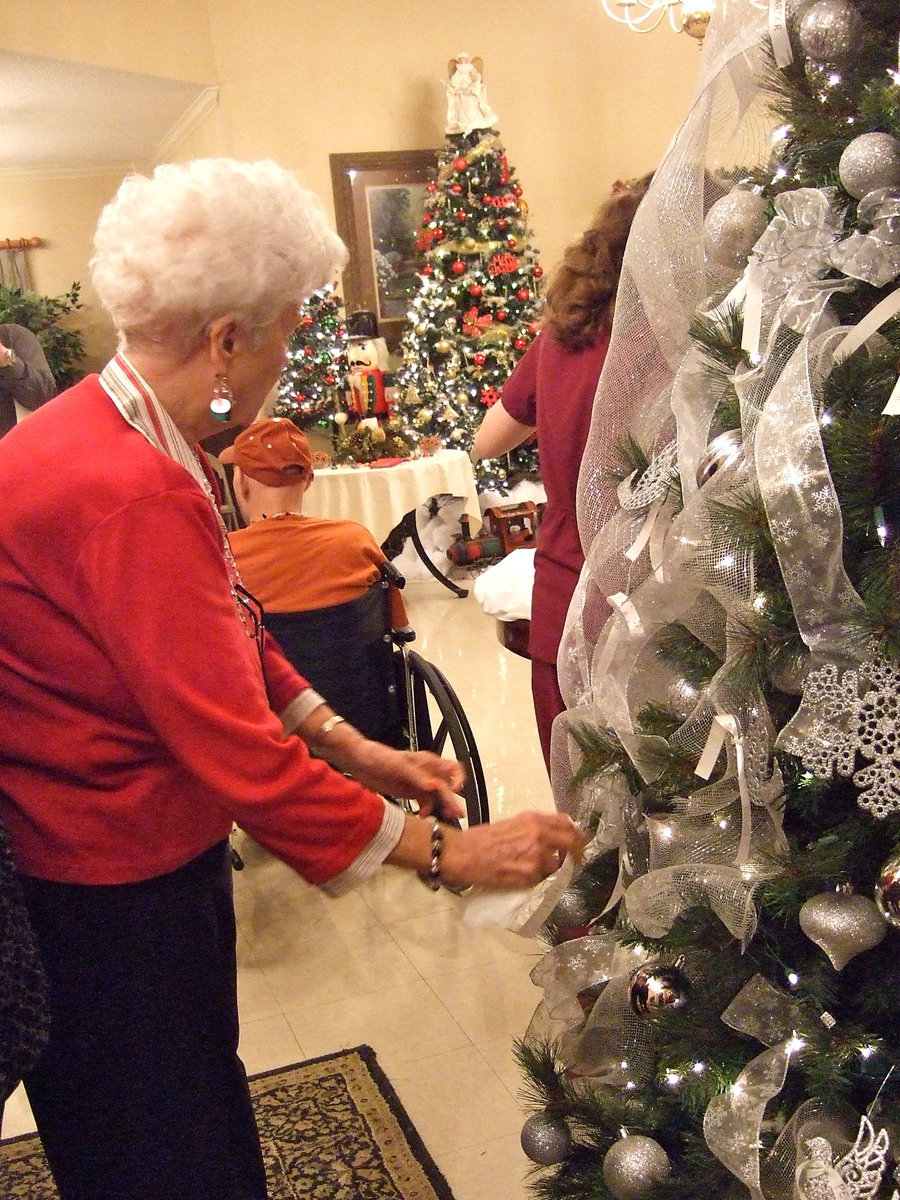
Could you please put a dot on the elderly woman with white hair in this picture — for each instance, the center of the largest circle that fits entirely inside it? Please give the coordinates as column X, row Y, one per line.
column 148, row 709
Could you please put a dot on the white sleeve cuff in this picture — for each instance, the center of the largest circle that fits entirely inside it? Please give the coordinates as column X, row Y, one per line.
column 371, row 856
column 299, row 709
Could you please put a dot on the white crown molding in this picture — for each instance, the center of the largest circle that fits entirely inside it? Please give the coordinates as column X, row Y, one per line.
column 202, row 106
column 205, row 102
column 86, row 171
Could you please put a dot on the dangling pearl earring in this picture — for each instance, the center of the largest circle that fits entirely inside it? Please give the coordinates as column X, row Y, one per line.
column 220, row 405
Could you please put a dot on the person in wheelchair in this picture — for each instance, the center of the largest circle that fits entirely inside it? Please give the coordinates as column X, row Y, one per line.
column 288, row 561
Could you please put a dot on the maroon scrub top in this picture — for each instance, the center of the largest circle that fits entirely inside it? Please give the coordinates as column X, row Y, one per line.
column 553, row 389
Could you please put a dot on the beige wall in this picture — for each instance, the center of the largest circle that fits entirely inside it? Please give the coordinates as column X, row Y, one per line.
column 581, row 100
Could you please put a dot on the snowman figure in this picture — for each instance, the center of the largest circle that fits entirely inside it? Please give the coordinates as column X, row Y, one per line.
column 367, row 355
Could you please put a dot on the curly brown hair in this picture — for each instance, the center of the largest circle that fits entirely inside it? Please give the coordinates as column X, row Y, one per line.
column 582, row 292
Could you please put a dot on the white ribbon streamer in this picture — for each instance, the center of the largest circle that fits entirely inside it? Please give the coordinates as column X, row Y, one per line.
column 871, row 323
column 781, row 43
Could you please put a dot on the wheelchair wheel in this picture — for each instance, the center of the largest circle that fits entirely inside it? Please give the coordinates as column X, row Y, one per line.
column 437, row 723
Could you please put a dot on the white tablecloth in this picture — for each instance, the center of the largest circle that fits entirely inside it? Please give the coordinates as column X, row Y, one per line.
column 379, row 497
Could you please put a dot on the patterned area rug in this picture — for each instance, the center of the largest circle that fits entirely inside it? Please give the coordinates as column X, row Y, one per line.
column 332, row 1128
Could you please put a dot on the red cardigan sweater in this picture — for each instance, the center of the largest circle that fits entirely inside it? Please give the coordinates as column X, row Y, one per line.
column 136, row 725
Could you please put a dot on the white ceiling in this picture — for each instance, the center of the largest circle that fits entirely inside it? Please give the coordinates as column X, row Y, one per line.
column 62, row 118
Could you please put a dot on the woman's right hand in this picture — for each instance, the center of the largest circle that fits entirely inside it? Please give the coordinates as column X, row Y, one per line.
column 516, row 852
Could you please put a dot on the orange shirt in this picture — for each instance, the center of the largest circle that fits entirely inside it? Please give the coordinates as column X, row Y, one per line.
column 293, row 563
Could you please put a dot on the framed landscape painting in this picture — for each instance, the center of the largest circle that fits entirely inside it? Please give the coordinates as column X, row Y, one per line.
column 378, row 203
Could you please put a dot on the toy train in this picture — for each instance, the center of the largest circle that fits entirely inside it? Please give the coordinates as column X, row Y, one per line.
column 506, row 527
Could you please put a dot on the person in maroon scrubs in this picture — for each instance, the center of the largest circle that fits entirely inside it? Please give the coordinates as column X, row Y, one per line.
column 551, row 392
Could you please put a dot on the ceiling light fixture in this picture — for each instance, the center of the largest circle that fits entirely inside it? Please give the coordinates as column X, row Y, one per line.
column 685, row 16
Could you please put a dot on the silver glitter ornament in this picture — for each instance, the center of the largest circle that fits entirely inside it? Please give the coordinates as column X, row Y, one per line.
column 634, row 1167
column 723, row 451
column 842, row 924
column 871, row 161
column 572, row 910
column 829, row 31
column 887, row 891
column 546, row 1140
column 733, row 226
column 659, row 988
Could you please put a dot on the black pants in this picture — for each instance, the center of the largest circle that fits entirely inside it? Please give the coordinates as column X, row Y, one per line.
column 140, row 1094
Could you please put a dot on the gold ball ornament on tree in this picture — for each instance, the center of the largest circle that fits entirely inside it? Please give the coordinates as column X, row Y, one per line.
column 829, row 31
column 442, row 346
column 887, row 891
column 843, row 924
column 871, row 161
column 635, row 1167
column 733, row 226
column 546, row 1139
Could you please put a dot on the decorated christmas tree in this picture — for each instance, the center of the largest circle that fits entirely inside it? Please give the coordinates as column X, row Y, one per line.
column 313, row 382
column 719, row 1013
column 476, row 308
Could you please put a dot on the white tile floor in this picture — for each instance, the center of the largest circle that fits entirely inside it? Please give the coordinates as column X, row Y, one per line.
column 391, row 965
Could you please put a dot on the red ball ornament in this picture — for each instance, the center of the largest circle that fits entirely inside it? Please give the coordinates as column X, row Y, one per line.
column 538, row 272
column 428, row 269
column 426, row 217
column 476, row 289
column 306, row 322
column 520, row 343
column 501, row 314
column 533, row 326
column 460, row 164
column 439, row 234
column 456, row 188
column 479, row 359
column 329, row 379
column 458, row 267
column 460, row 214
column 523, row 294
column 511, row 242
column 516, row 191
column 502, row 223
column 432, row 187
column 308, row 351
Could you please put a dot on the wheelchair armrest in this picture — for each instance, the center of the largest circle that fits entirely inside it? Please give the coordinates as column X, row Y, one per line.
column 390, row 574
column 401, row 636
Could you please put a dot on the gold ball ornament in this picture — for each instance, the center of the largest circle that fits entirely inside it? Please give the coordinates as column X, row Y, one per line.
column 695, row 18
column 842, row 924
column 423, row 416
column 442, row 346
column 469, row 245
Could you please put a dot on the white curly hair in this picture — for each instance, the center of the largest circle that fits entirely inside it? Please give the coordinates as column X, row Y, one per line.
column 192, row 242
